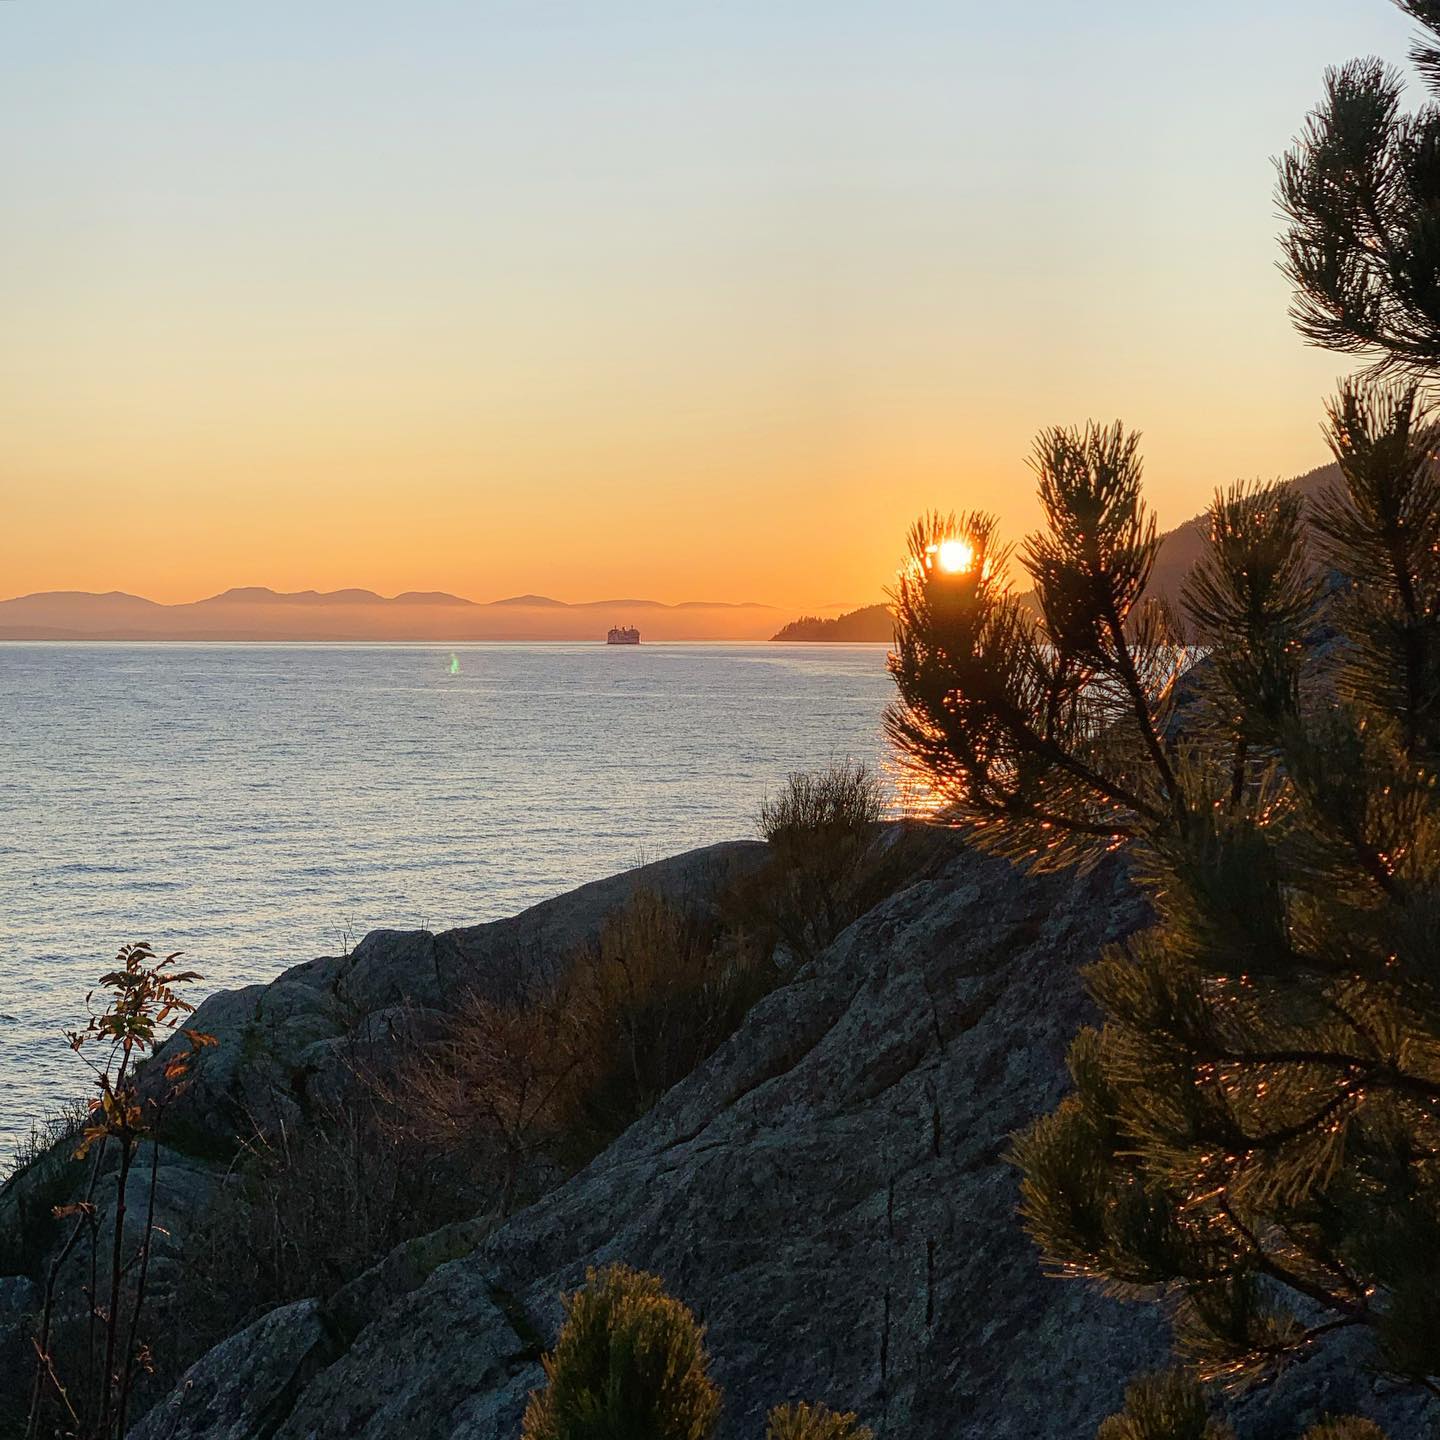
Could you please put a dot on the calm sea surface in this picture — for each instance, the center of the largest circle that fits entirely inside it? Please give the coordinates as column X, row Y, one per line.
column 257, row 805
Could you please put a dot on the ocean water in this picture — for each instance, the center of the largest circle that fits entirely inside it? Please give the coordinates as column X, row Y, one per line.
column 257, row 805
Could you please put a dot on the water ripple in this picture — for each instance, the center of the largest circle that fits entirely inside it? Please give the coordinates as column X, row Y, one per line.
column 253, row 805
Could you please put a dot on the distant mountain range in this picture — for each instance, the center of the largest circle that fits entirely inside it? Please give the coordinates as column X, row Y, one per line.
column 1179, row 550
column 257, row 613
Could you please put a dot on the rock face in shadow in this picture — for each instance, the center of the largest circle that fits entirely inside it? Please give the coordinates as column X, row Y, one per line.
column 284, row 1045
column 829, row 1192
column 249, row 1381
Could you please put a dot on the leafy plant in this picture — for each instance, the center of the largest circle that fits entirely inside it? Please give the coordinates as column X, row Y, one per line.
column 629, row 1364
column 143, row 1010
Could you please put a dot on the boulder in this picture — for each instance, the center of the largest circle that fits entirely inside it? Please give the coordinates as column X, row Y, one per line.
column 829, row 1192
column 247, row 1384
column 296, row 1043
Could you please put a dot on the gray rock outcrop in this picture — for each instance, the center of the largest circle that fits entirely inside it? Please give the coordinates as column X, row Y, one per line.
column 829, row 1192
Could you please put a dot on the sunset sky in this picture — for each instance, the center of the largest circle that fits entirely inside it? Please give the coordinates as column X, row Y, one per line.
column 695, row 301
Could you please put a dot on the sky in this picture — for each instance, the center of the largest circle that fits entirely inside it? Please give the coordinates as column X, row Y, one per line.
column 689, row 301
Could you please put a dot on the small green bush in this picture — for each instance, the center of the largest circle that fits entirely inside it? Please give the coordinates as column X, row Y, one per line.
column 630, row 1364
column 1165, row 1405
column 814, row 1422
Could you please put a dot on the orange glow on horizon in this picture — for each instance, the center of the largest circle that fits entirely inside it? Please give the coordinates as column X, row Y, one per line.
column 518, row 302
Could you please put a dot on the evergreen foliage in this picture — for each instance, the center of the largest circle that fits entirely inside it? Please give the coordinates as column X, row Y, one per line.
column 1170, row 1405
column 1361, row 189
column 1346, row 1427
column 630, row 1364
column 814, row 1422
column 1167, row 1405
column 1252, row 1131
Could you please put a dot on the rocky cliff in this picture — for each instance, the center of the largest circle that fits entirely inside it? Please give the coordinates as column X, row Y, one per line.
column 829, row 1192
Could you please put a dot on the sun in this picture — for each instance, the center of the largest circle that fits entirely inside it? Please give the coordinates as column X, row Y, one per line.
column 955, row 556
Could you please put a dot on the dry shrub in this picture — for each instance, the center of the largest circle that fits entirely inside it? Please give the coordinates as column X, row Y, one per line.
column 536, row 1084
column 40, row 1174
column 515, row 1094
column 306, row 1210
column 496, row 1087
column 655, row 997
column 841, row 802
column 828, row 864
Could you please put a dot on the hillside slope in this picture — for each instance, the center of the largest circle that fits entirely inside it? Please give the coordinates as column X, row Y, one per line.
column 829, row 1192
column 1180, row 548
column 871, row 625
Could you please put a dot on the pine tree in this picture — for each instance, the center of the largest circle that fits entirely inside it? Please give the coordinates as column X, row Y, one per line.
column 1253, row 1132
column 814, row 1422
column 1168, row 1405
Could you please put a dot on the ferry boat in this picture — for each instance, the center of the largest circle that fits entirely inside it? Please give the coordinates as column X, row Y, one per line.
column 623, row 635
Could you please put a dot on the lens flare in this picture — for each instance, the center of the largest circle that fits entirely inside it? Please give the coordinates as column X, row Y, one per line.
column 954, row 557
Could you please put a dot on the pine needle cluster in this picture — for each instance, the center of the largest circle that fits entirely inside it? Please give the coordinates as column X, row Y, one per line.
column 1361, row 190
column 630, row 1364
